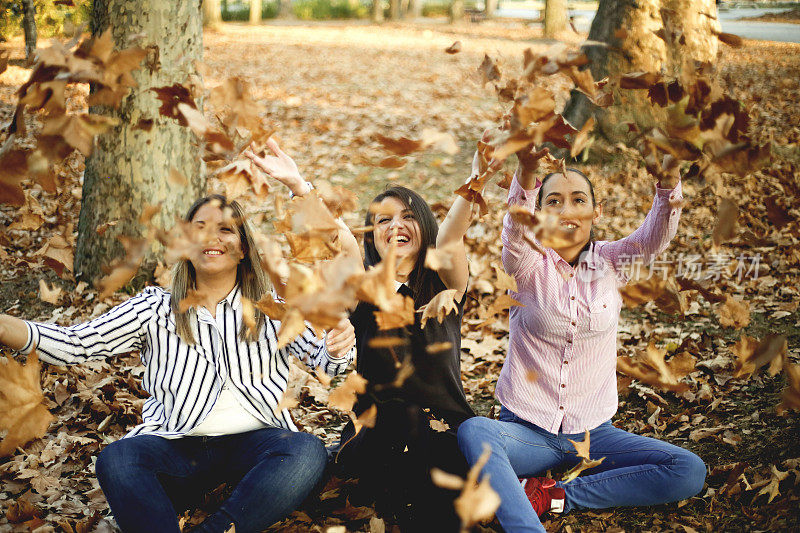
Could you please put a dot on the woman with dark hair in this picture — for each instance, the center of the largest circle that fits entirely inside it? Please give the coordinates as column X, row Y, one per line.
column 214, row 386
column 394, row 458
column 566, row 335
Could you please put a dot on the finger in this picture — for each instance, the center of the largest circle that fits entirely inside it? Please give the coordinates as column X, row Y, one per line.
column 272, row 144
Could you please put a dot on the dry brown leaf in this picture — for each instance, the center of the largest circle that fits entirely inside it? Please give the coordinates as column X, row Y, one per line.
column 477, row 501
column 47, row 294
column 292, row 325
column 650, row 367
column 725, row 227
column 582, row 449
column 439, row 307
column 734, row 313
column 343, row 397
column 122, row 270
column 772, row 487
column 790, row 397
column 488, row 70
column 439, row 425
column 504, row 281
column 752, row 355
column 22, row 411
column 452, row 49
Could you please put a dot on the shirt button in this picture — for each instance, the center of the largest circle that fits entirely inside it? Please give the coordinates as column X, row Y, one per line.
column 573, row 322
column 572, row 275
column 563, row 386
column 604, row 306
column 566, row 362
column 569, row 341
column 561, row 407
column 571, row 297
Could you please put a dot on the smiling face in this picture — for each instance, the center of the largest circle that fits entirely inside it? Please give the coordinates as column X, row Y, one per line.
column 394, row 222
column 570, row 198
column 220, row 247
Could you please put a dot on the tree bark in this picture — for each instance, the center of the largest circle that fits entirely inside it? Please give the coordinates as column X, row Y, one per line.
column 212, row 15
column 642, row 50
column 555, row 18
column 285, row 9
column 255, row 11
column 456, row 11
column 128, row 168
column 29, row 27
column 404, row 9
column 490, row 8
column 377, row 10
column 394, row 9
column 415, row 9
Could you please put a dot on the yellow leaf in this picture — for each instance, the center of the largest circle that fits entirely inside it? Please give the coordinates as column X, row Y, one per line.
column 22, row 410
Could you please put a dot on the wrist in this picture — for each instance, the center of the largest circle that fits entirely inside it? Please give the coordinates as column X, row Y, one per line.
column 300, row 187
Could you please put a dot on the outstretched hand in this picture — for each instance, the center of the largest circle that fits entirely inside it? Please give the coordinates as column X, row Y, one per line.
column 529, row 158
column 279, row 166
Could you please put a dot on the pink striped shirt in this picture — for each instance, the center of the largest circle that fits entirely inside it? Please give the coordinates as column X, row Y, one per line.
column 567, row 331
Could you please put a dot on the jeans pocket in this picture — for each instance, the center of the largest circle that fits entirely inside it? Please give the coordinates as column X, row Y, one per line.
column 506, row 415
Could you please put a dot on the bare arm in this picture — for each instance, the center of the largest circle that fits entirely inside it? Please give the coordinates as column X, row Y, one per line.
column 13, row 332
column 451, row 235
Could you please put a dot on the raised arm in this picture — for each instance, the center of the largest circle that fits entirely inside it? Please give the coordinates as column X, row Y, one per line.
column 518, row 253
column 118, row 331
column 333, row 353
column 654, row 235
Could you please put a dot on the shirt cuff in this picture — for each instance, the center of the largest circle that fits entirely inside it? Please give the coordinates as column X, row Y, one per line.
column 310, row 187
column 676, row 193
column 516, row 194
column 33, row 339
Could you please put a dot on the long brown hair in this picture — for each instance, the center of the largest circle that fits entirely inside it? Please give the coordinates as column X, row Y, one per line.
column 250, row 276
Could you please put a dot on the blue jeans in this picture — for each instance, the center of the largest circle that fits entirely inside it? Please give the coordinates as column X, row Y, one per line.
column 636, row 471
column 148, row 479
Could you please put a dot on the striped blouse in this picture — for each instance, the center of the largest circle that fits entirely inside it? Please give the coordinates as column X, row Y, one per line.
column 184, row 381
column 567, row 332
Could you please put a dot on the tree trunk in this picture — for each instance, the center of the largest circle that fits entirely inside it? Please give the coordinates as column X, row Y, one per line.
column 29, row 26
column 456, row 11
column 128, row 168
column 404, row 8
column 642, row 50
column 555, row 18
column 212, row 15
column 415, row 9
column 255, row 11
column 394, row 9
column 377, row 10
column 490, row 8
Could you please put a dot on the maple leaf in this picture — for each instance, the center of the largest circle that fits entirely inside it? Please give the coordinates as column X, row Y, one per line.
column 401, row 146
column 274, row 309
column 439, row 307
column 503, row 302
column 532, row 107
column 504, row 281
column 122, row 270
column 439, row 426
column 30, row 217
column 452, row 49
column 473, row 197
column 650, row 367
column 582, row 449
column 734, row 313
column 22, row 411
column 401, row 314
column 338, row 200
column 343, row 397
column 47, row 294
column 772, row 487
column 752, row 354
column 170, row 97
column 176, row 178
column 57, row 254
column 77, row 131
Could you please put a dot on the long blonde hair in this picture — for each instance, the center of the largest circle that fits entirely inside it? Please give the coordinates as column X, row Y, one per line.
column 250, row 276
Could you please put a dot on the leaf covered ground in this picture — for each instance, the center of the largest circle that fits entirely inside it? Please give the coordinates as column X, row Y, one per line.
column 330, row 90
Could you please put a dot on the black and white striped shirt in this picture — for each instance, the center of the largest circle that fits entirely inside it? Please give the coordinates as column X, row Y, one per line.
column 184, row 381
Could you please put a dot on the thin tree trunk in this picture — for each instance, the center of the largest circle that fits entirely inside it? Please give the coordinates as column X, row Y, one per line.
column 255, row 11
column 29, row 27
column 129, row 167
column 640, row 49
column 404, row 9
column 490, row 8
column 555, row 18
column 456, row 11
column 415, row 9
column 285, row 9
column 394, row 9
column 212, row 15
column 377, row 10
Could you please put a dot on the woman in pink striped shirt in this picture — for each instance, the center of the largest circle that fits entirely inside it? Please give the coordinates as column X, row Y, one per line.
column 566, row 333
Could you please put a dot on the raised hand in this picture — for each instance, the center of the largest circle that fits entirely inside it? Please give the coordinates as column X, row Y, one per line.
column 279, row 166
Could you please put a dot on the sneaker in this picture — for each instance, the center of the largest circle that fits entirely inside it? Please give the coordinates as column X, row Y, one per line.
column 543, row 494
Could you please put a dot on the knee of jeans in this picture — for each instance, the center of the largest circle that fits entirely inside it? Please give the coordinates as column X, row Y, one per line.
column 114, row 462
column 473, row 433
column 310, row 448
column 692, row 476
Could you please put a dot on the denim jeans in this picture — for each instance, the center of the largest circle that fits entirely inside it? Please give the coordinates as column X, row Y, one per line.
column 636, row 471
column 147, row 479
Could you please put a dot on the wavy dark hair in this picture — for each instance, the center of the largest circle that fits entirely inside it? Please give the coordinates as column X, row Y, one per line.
column 421, row 280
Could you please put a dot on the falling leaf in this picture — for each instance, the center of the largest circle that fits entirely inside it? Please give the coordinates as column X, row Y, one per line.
column 292, row 325
column 504, row 281
column 752, row 355
column 22, row 411
column 57, row 253
column 170, row 97
column 477, row 501
column 639, row 80
column 399, row 317
column 503, row 302
column 725, row 227
column 488, row 70
column 650, row 367
column 582, row 139
column 734, row 313
column 47, row 294
column 122, row 270
column 439, row 426
column 343, row 397
column 400, row 146
column 790, row 398
column 582, row 449
column 176, row 178
column 438, row 347
column 452, row 49
column 442, row 258
column 734, row 41
column 78, row 131
column 392, row 162
column 439, row 307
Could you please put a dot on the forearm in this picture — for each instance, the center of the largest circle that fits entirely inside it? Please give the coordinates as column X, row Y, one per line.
column 527, row 178
column 13, row 332
column 456, row 223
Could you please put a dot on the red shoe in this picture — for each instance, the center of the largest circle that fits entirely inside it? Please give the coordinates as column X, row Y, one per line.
column 544, row 495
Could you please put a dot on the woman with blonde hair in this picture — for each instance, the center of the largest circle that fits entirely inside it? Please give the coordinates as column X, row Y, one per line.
column 213, row 412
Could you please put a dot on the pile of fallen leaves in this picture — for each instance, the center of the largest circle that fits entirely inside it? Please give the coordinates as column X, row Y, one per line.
column 698, row 343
